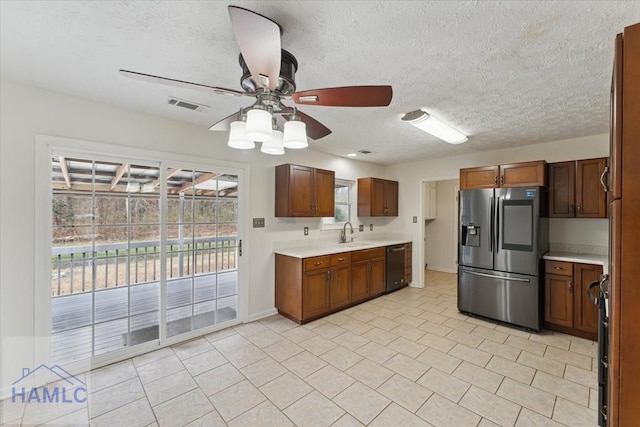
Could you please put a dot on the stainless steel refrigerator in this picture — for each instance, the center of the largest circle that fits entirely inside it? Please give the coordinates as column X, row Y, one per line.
column 503, row 234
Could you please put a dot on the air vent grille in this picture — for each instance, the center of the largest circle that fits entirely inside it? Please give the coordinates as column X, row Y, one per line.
column 186, row 104
column 364, row 152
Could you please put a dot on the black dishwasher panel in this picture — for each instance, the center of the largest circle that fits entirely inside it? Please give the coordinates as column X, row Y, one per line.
column 395, row 268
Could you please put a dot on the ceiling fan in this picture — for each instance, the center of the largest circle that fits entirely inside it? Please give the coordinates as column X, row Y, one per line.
column 268, row 75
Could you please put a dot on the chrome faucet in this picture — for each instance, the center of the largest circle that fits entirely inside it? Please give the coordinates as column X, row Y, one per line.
column 343, row 234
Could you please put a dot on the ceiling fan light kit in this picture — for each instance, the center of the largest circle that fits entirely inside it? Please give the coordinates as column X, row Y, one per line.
column 426, row 122
column 274, row 146
column 258, row 125
column 268, row 75
column 295, row 135
column 237, row 138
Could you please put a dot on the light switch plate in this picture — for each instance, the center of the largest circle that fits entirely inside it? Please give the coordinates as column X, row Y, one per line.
column 370, row 227
column 306, row 231
column 258, row 222
column 361, row 227
column 415, row 219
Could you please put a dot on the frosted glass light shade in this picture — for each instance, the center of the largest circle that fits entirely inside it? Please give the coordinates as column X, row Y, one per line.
column 435, row 127
column 258, row 125
column 237, row 137
column 275, row 145
column 295, row 134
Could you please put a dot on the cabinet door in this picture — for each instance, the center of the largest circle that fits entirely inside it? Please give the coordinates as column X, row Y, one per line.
column 315, row 293
column 391, row 198
column 301, row 197
column 378, row 197
column 339, row 289
column 524, row 174
column 615, row 134
column 324, row 191
column 558, row 304
column 562, row 189
column 482, row 177
column 585, row 312
column 591, row 199
column 377, row 283
column 359, row 280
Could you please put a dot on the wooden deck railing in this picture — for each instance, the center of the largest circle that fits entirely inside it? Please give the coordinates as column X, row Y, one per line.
column 75, row 268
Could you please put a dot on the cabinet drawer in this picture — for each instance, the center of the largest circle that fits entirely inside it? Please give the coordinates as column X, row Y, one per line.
column 562, row 268
column 316, row 262
column 341, row 259
column 368, row 254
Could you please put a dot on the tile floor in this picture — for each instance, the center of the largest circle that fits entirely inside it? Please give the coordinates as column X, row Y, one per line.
column 405, row 359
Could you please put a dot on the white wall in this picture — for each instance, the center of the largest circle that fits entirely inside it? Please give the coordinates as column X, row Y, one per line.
column 439, row 232
column 26, row 111
column 411, row 175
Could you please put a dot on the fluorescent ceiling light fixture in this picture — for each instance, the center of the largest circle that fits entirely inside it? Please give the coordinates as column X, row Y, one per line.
column 435, row 127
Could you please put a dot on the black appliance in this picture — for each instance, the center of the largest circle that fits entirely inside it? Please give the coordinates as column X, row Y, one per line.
column 395, row 268
column 599, row 294
column 503, row 235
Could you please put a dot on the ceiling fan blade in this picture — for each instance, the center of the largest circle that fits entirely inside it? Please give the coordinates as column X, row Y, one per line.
column 180, row 83
column 315, row 129
column 224, row 124
column 259, row 40
column 349, row 96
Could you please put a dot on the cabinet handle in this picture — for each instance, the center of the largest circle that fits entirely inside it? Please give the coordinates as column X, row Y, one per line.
column 606, row 170
column 501, row 179
column 340, row 259
column 571, row 208
column 559, row 268
column 570, row 286
column 495, row 180
column 579, row 208
column 317, row 263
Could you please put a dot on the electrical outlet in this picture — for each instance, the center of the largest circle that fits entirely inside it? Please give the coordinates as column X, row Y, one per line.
column 361, row 227
column 258, row 222
column 415, row 219
column 370, row 227
column 306, row 231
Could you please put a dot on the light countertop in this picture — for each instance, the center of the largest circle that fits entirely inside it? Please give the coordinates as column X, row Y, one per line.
column 326, row 249
column 602, row 260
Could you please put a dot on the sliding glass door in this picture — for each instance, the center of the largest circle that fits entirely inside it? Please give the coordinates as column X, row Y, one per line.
column 122, row 237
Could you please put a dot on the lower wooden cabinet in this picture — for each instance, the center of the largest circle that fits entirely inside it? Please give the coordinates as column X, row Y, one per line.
column 309, row 288
column 567, row 306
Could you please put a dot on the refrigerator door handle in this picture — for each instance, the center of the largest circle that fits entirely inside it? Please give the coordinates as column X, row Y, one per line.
column 493, row 276
column 497, row 223
column 491, row 209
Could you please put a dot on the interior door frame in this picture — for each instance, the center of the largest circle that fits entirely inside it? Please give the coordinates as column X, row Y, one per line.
column 421, row 221
column 45, row 147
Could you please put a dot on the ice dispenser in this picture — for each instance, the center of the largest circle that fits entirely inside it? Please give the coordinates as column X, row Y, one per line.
column 470, row 235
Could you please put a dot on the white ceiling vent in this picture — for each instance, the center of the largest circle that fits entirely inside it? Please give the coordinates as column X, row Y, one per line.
column 187, row 104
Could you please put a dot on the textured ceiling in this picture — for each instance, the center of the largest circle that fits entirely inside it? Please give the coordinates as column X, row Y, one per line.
column 505, row 73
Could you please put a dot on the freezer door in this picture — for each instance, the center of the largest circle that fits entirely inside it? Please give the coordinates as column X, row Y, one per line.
column 518, row 230
column 511, row 298
column 475, row 228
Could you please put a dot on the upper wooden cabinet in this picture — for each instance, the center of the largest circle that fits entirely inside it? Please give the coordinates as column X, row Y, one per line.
column 524, row 174
column 576, row 190
column 377, row 197
column 303, row 191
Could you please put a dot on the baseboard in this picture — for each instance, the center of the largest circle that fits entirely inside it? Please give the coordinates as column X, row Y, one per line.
column 442, row 270
column 262, row 315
